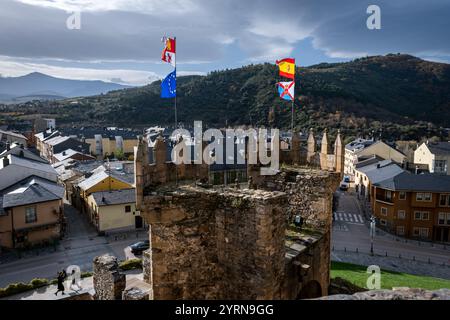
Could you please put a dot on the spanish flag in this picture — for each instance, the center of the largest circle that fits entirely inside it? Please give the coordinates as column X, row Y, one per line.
column 287, row 67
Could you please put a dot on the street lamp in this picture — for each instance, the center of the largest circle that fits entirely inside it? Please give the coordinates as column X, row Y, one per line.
column 372, row 233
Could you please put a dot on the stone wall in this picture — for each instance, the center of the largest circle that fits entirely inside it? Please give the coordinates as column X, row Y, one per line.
column 216, row 244
column 212, row 243
column 108, row 281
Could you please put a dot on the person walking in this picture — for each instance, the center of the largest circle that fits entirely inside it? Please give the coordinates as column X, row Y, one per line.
column 61, row 276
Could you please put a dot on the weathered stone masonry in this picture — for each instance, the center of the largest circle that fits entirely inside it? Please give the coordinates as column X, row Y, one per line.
column 205, row 242
column 223, row 243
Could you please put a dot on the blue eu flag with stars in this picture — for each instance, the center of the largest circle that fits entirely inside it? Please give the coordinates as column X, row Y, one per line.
column 169, row 85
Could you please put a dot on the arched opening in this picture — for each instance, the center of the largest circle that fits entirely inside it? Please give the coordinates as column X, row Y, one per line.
column 311, row 290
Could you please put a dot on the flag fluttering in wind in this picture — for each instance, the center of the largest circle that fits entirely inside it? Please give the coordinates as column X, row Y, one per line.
column 286, row 90
column 169, row 85
column 168, row 54
column 287, row 68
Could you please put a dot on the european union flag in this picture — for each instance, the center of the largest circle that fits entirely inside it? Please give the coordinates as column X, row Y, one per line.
column 169, row 85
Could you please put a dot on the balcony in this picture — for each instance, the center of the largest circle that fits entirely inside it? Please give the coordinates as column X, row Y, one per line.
column 384, row 199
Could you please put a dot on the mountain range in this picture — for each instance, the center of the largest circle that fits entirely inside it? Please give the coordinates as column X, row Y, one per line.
column 39, row 86
column 398, row 95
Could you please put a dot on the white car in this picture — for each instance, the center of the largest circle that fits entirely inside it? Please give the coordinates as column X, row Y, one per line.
column 344, row 186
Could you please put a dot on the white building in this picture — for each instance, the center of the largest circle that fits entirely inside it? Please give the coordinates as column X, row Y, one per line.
column 15, row 168
column 436, row 155
column 362, row 149
column 374, row 172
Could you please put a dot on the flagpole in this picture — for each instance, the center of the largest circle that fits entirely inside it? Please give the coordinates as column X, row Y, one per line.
column 176, row 118
column 292, row 116
column 176, row 56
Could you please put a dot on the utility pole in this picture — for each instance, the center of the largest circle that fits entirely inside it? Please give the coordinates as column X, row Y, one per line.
column 372, row 233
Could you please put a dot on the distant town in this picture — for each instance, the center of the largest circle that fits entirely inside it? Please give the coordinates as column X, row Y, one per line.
column 76, row 189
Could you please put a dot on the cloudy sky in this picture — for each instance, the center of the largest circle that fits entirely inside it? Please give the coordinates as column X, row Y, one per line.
column 120, row 40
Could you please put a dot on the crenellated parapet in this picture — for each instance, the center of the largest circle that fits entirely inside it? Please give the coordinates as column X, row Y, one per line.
column 154, row 167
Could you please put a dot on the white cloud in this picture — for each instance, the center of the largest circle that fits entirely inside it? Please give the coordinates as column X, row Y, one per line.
column 11, row 68
column 286, row 30
column 139, row 6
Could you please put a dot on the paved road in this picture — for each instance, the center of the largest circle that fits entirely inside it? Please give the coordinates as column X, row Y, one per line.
column 350, row 233
column 80, row 248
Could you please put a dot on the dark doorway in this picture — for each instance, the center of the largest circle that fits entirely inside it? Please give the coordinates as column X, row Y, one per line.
column 311, row 290
column 138, row 222
column 442, row 234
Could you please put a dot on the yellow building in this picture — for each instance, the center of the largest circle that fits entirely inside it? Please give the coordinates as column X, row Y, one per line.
column 101, row 181
column 31, row 212
column 112, row 211
column 106, row 146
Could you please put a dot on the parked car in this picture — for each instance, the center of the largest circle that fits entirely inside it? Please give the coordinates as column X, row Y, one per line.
column 347, row 179
column 138, row 247
column 344, row 186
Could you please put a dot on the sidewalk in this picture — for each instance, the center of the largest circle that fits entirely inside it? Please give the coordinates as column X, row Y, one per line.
column 133, row 278
column 393, row 264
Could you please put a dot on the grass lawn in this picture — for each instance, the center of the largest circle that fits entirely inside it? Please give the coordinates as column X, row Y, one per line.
column 357, row 275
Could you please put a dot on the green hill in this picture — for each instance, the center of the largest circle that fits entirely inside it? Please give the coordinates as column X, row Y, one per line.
column 398, row 93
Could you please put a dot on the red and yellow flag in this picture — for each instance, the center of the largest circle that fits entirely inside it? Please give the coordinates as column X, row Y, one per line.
column 168, row 54
column 287, row 67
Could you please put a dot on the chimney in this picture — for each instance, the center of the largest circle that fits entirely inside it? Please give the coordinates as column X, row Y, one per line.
column 103, row 199
column 378, row 166
column 8, row 146
column 21, row 155
column 417, row 170
column 5, row 162
column 64, row 153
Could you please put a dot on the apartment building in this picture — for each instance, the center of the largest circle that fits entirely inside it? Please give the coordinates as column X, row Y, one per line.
column 105, row 142
column 414, row 206
column 372, row 171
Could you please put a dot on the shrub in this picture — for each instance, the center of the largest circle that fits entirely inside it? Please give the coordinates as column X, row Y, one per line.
column 15, row 288
column 37, row 283
column 131, row 264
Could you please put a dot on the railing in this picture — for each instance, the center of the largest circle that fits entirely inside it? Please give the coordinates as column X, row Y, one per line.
column 389, row 254
column 384, row 199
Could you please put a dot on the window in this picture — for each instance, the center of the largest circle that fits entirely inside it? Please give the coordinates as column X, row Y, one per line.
column 423, row 196
column 440, row 166
column 30, row 215
column 441, row 218
column 384, row 211
column 127, row 208
column 420, row 232
column 401, row 214
column 421, row 215
column 402, row 195
column 448, row 218
column 444, row 200
column 388, row 195
column 400, row 230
